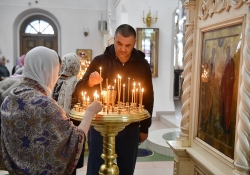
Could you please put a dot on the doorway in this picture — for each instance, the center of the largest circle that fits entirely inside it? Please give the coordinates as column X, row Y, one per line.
column 38, row 31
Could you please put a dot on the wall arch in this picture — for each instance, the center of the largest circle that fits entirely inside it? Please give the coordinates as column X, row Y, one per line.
column 19, row 21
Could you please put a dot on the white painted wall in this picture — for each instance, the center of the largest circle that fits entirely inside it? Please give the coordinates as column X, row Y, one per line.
column 72, row 17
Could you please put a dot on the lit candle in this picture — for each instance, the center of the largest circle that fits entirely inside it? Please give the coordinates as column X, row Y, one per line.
column 128, row 87
column 107, row 101
column 133, row 96
column 113, row 95
column 119, row 88
column 136, row 96
column 87, row 101
column 134, row 93
column 101, row 76
column 142, row 95
column 123, row 93
column 83, row 96
column 95, row 95
column 139, row 93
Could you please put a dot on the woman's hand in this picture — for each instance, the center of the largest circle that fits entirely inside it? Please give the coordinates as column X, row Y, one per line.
column 95, row 107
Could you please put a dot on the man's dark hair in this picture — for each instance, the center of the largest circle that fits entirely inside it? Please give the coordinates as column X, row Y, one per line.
column 125, row 30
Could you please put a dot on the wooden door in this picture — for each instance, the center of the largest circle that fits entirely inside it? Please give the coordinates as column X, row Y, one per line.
column 29, row 42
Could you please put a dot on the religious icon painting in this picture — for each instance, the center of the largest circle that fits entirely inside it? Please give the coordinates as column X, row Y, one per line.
column 220, row 63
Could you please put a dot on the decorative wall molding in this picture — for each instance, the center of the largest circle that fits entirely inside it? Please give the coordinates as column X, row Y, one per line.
column 242, row 160
column 187, row 73
column 210, row 7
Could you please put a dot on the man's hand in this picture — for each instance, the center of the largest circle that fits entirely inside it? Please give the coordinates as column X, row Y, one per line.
column 94, row 79
column 143, row 137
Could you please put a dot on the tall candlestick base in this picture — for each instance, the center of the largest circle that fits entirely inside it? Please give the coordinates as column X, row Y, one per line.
column 109, row 124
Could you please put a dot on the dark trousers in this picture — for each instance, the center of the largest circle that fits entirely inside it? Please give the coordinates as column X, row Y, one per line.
column 126, row 145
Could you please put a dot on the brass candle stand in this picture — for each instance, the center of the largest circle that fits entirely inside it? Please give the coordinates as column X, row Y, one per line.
column 109, row 122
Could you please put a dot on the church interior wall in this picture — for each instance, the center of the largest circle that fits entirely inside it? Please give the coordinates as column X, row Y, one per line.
column 73, row 16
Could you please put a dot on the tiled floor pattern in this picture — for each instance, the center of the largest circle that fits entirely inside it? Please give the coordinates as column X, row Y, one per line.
column 158, row 164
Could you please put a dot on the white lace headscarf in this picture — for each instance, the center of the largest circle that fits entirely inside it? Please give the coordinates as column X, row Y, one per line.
column 42, row 65
column 65, row 87
column 70, row 65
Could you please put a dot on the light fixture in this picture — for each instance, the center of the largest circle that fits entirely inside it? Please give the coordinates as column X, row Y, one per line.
column 149, row 20
column 86, row 32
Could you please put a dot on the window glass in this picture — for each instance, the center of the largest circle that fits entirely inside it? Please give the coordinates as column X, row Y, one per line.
column 39, row 27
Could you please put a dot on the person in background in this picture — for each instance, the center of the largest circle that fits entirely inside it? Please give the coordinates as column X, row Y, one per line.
column 19, row 64
column 4, row 72
column 36, row 135
column 123, row 59
column 10, row 82
column 65, row 85
column 7, row 84
column 64, row 88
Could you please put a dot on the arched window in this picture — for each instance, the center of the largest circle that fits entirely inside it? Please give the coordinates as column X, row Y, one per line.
column 38, row 31
column 39, row 27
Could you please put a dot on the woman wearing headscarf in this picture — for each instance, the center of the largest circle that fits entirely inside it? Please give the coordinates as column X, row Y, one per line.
column 36, row 135
column 19, row 65
column 64, row 88
column 67, row 81
column 12, row 81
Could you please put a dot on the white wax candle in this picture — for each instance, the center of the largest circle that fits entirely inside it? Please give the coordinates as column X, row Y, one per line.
column 107, row 101
column 132, row 96
column 123, row 98
column 128, row 87
column 142, row 95
column 101, row 76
